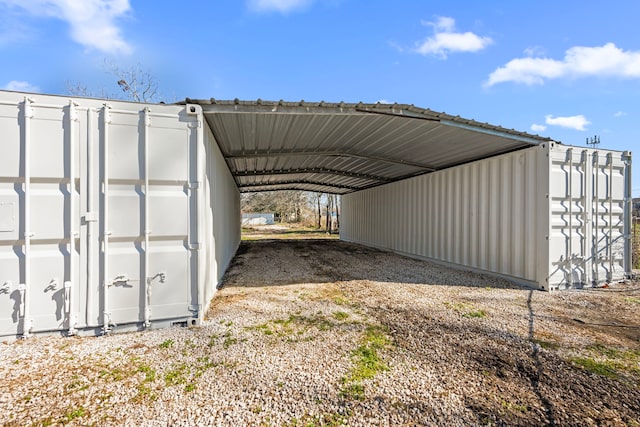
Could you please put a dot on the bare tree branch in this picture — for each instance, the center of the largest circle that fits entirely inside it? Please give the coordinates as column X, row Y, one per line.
column 135, row 83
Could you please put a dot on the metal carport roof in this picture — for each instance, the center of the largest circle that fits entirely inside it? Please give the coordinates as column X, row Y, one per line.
column 340, row 147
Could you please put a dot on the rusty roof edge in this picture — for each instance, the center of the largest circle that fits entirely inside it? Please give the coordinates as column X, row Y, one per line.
column 400, row 110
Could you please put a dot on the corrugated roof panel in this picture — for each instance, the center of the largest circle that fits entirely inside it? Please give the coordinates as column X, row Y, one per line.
column 338, row 147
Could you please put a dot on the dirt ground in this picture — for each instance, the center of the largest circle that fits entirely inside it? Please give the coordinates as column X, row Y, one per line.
column 509, row 355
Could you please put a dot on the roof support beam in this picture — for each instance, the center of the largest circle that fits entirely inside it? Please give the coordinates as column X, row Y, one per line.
column 285, row 153
column 327, row 171
column 298, row 182
column 266, row 189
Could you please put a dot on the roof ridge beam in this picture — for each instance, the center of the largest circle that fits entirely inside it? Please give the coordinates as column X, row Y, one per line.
column 328, row 171
column 401, row 112
column 298, row 182
column 286, row 153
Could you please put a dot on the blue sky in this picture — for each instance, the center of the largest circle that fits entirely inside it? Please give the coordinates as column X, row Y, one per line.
column 568, row 70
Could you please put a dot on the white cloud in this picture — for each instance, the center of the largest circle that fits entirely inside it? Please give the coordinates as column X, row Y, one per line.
column 20, row 86
column 282, row 6
column 619, row 114
column 92, row 22
column 578, row 122
column 579, row 61
column 538, row 128
column 445, row 40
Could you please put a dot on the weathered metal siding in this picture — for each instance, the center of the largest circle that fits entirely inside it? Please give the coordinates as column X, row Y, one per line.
column 507, row 215
column 101, row 213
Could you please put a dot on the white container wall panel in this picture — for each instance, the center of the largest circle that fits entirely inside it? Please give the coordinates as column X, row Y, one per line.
column 222, row 227
column 101, row 206
column 522, row 215
column 455, row 216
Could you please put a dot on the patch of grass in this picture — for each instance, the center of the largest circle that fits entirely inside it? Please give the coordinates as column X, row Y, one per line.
column 72, row 414
column 466, row 310
column 352, row 391
column 514, row 407
column 480, row 314
column 609, row 352
column 212, row 340
column 376, row 337
column 144, row 393
column 228, row 340
column 341, row 300
column 340, row 315
column 632, row 300
column 599, row 368
column 176, row 375
column 77, row 384
column 620, row 360
column 149, row 372
column 203, row 365
column 166, row 344
column 115, row 374
column 367, row 363
column 263, row 327
column 296, row 325
column 187, row 374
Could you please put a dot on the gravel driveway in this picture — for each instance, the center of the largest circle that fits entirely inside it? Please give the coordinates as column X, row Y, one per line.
column 322, row 332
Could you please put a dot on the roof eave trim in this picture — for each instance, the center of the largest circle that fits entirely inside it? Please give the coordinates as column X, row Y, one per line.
column 493, row 132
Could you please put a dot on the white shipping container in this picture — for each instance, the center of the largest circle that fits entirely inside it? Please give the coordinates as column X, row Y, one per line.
column 550, row 216
column 112, row 215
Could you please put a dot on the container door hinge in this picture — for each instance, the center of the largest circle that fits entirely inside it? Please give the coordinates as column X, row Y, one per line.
column 194, row 185
column 195, row 309
column 194, row 246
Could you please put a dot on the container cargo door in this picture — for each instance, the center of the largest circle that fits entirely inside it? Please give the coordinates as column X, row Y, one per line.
column 38, row 217
column 608, row 212
column 146, row 257
column 587, row 205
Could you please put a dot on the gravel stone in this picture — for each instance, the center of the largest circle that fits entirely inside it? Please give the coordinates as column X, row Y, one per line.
column 279, row 347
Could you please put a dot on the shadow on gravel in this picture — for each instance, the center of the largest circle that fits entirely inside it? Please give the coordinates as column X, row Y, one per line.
column 284, row 262
column 497, row 375
column 535, row 355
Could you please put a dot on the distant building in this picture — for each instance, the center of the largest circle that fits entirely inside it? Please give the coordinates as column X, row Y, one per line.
column 257, row 219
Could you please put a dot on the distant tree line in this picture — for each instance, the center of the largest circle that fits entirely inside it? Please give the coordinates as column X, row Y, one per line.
column 319, row 210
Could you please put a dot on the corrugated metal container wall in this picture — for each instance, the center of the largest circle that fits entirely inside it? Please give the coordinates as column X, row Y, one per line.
column 223, row 224
column 102, row 215
column 549, row 217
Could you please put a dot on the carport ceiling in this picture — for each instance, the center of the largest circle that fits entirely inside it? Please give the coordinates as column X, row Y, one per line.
column 339, row 147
